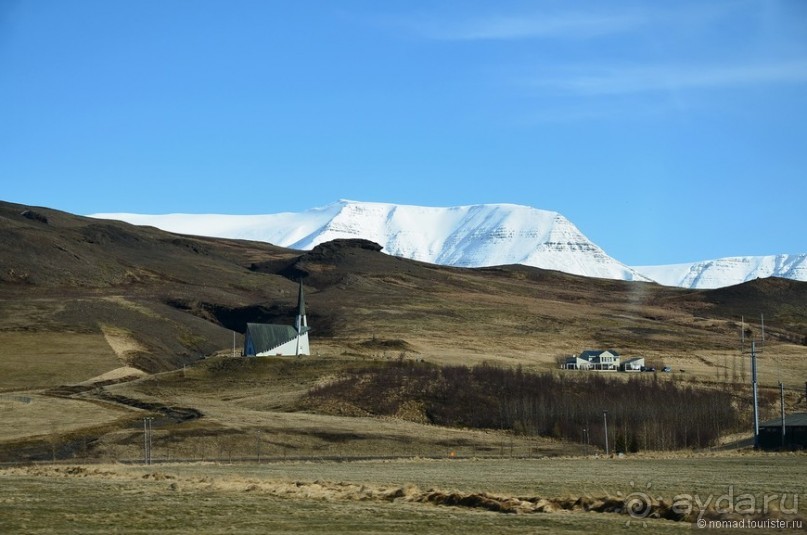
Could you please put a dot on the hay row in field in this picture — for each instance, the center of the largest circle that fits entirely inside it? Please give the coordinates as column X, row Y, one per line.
column 636, row 505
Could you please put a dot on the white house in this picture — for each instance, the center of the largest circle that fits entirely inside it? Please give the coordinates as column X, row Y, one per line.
column 634, row 364
column 590, row 359
column 264, row 339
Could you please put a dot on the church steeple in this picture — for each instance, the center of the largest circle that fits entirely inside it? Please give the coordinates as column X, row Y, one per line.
column 301, row 319
column 301, row 324
column 301, row 301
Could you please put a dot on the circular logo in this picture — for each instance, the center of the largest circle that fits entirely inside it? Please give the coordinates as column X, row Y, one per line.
column 638, row 504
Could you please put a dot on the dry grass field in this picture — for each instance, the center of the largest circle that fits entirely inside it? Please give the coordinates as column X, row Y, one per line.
column 31, row 361
column 31, row 414
column 103, row 324
column 557, row 495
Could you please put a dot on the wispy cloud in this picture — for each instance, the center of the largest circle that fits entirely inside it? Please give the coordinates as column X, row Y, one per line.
column 634, row 80
column 568, row 25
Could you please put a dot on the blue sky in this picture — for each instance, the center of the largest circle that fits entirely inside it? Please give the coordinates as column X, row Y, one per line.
column 666, row 131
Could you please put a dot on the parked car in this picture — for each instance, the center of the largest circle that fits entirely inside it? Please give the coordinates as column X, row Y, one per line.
column 666, row 369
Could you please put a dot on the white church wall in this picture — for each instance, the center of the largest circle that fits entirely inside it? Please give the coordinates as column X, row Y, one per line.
column 289, row 348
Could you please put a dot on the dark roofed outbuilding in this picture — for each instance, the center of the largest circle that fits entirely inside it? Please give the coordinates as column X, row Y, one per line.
column 770, row 432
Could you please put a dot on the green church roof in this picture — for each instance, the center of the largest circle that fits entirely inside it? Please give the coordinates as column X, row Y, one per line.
column 265, row 336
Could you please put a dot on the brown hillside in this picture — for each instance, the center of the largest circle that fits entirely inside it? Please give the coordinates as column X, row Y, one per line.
column 83, row 301
column 175, row 298
column 62, row 274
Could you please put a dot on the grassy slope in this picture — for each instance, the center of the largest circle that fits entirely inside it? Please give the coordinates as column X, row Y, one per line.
column 179, row 295
column 161, row 300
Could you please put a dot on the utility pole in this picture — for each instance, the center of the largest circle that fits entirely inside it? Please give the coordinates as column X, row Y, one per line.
column 605, row 424
column 756, row 396
column 742, row 348
column 782, row 405
column 147, row 431
column 145, row 441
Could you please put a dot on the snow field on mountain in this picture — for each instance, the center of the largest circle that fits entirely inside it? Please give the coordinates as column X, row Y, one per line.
column 467, row 236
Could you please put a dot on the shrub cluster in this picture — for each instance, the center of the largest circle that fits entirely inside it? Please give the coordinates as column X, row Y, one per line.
column 642, row 411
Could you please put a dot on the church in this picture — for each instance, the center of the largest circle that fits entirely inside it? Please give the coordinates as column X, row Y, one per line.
column 264, row 339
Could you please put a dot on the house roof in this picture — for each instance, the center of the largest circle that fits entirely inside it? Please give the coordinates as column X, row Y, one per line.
column 267, row 336
column 596, row 353
column 797, row 419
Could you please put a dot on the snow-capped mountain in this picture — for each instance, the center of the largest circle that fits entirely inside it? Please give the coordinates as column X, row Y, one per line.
column 466, row 236
column 728, row 271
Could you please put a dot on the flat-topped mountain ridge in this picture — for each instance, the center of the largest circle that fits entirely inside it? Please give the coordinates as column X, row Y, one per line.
column 176, row 298
column 478, row 235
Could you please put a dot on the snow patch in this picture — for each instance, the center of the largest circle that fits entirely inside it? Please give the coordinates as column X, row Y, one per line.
column 728, row 271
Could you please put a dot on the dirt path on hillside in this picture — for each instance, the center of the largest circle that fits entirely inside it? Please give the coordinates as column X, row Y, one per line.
column 122, row 342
